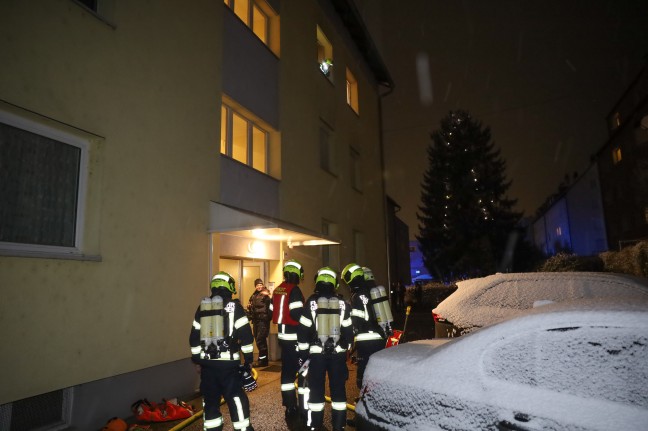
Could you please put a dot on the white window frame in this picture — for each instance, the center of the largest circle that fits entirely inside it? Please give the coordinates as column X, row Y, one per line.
column 250, row 125
column 68, row 138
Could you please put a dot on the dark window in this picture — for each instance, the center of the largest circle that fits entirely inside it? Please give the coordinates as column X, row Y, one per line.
column 39, row 184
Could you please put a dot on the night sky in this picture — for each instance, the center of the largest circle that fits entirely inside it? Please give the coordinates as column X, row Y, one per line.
column 542, row 75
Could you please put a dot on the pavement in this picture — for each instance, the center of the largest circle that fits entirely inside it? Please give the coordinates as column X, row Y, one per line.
column 266, row 411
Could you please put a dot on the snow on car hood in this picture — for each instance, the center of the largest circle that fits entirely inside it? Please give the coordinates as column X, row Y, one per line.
column 462, row 369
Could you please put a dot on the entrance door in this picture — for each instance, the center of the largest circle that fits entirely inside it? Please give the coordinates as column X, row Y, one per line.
column 244, row 272
column 251, row 271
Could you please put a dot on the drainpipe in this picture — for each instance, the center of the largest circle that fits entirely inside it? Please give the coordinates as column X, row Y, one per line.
column 390, row 88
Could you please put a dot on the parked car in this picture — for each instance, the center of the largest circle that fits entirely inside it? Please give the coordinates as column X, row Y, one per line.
column 483, row 301
column 577, row 365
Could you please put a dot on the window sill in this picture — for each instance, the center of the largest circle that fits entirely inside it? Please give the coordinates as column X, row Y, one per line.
column 49, row 255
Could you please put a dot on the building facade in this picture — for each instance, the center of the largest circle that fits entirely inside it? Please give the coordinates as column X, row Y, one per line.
column 623, row 165
column 146, row 146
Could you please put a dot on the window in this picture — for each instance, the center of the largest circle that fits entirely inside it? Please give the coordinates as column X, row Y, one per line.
column 243, row 139
column 615, row 121
column 43, row 183
column 324, row 54
column 255, row 14
column 616, row 155
column 330, row 253
column 327, row 150
column 352, row 91
column 356, row 172
column 101, row 9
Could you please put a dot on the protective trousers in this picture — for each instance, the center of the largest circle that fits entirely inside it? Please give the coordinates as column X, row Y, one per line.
column 333, row 364
column 224, row 380
column 261, row 330
column 365, row 349
column 289, row 368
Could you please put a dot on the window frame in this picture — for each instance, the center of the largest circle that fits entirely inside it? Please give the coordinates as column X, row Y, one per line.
column 68, row 138
column 325, row 59
column 251, row 7
column 328, row 155
column 227, row 133
column 352, row 91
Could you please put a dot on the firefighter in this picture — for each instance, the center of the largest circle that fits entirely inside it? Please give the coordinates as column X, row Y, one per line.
column 369, row 336
column 259, row 314
column 286, row 306
column 221, row 332
column 324, row 337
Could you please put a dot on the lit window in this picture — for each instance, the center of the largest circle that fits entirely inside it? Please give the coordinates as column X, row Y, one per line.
column 254, row 13
column 616, row 155
column 324, row 54
column 356, row 171
column 327, row 150
column 352, row 91
column 244, row 140
column 616, row 120
column 558, row 231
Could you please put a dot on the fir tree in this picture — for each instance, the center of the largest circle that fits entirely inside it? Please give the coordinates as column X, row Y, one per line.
column 465, row 216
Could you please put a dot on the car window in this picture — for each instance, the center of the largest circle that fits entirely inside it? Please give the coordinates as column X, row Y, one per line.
column 576, row 360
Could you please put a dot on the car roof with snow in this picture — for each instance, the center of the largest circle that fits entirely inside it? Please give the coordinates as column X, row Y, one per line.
column 483, row 301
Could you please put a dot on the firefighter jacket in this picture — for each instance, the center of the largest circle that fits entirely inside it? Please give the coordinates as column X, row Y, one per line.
column 287, row 304
column 310, row 339
column 365, row 324
column 259, row 306
column 237, row 335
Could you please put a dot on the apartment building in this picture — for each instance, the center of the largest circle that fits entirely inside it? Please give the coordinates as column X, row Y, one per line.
column 145, row 146
column 623, row 166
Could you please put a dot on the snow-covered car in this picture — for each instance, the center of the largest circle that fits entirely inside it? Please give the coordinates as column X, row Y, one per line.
column 576, row 365
column 483, row 301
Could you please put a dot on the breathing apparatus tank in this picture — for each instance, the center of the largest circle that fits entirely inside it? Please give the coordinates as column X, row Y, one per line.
column 211, row 323
column 388, row 313
column 381, row 306
column 334, row 319
column 206, row 328
column 219, row 328
column 323, row 331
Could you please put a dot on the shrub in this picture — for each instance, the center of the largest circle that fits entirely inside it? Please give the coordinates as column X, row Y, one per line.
column 565, row 262
column 429, row 294
column 630, row 260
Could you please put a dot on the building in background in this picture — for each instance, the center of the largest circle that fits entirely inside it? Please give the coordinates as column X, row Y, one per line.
column 606, row 208
column 147, row 145
column 573, row 220
column 623, row 167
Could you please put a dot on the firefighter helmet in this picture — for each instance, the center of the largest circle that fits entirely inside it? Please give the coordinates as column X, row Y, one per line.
column 225, row 281
column 326, row 275
column 294, row 267
column 368, row 273
column 352, row 274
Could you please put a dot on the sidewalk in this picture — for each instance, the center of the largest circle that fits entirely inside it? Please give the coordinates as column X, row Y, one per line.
column 266, row 411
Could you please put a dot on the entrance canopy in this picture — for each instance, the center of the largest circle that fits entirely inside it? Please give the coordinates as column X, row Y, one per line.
column 246, row 224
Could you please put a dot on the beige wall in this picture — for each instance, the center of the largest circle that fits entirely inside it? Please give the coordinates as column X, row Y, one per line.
column 309, row 193
column 150, row 88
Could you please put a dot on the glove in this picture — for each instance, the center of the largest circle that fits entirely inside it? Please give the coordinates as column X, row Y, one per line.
column 249, row 384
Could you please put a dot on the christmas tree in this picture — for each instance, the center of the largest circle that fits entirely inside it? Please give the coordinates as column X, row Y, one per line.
column 465, row 217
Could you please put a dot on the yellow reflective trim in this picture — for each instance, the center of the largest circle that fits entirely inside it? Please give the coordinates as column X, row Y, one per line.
column 357, row 313
column 248, row 348
column 303, row 346
column 305, row 321
column 287, row 387
column 336, row 405
column 346, row 323
column 241, row 322
column 296, row 304
column 196, row 325
column 288, row 337
column 196, row 350
column 368, row 336
column 316, row 407
column 213, row 423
